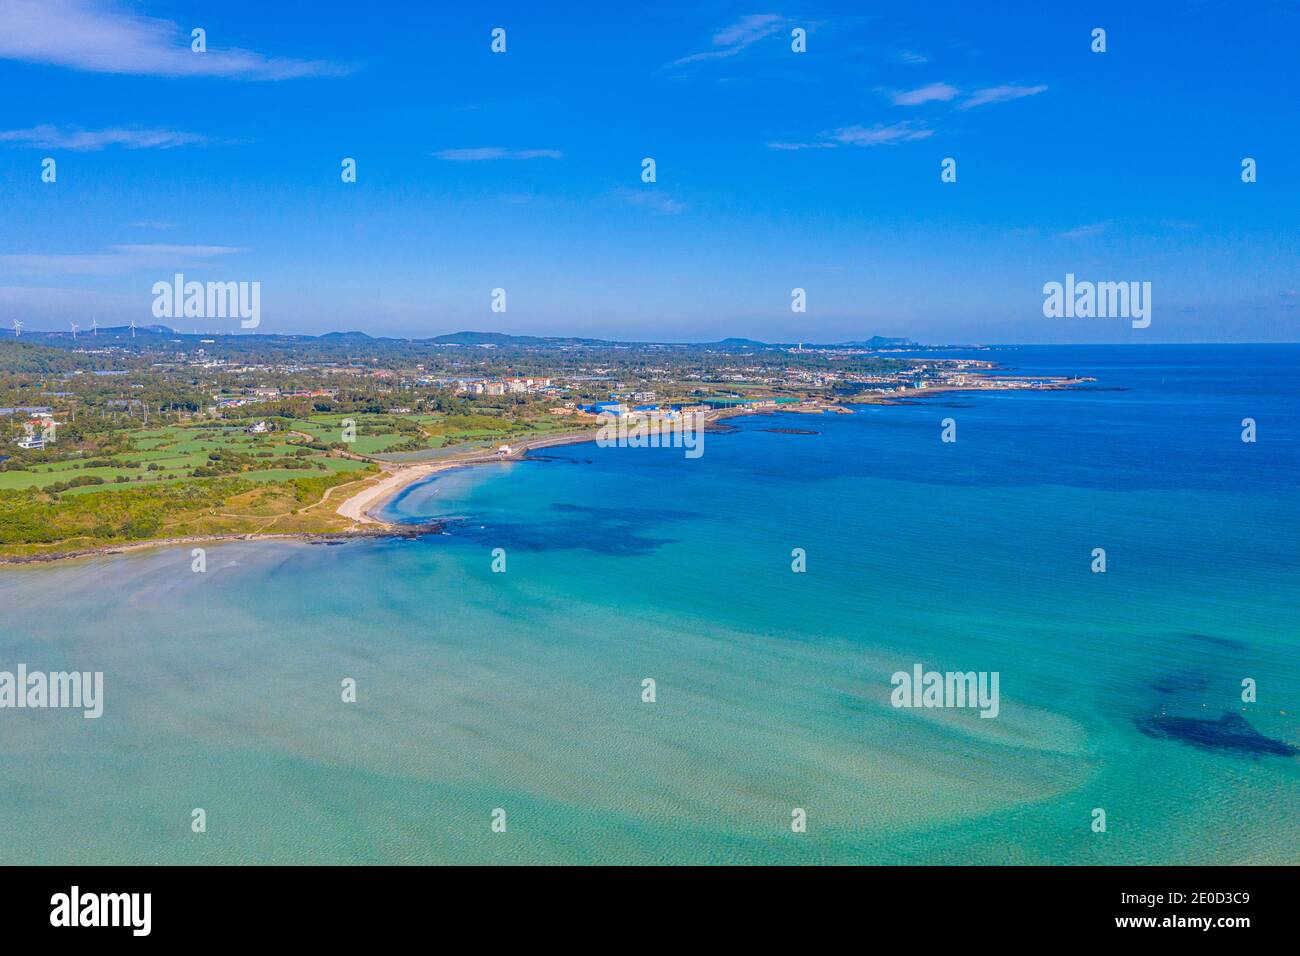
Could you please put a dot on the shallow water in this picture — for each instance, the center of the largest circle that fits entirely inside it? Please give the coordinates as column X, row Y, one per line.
column 522, row 690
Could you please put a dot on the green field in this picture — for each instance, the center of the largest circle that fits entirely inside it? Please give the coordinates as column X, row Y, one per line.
column 374, row 433
column 217, row 478
column 380, row 434
column 171, row 454
column 174, row 452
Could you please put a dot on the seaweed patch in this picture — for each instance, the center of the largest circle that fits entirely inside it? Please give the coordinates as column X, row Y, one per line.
column 1230, row 732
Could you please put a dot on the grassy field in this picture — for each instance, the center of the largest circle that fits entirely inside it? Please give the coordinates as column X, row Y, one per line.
column 32, row 523
column 380, row 434
column 162, row 455
column 217, row 478
column 373, row 433
column 171, row 454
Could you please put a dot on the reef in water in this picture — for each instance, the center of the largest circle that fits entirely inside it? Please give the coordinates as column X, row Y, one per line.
column 1230, row 732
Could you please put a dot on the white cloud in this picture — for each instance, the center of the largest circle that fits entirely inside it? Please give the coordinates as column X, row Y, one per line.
column 653, row 200
column 1089, row 231
column 175, row 250
column 747, row 30
column 496, row 152
column 51, row 137
column 793, row 146
column 924, row 94
column 117, row 260
column 732, row 39
column 908, row 131
column 1001, row 94
column 907, row 56
column 100, row 37
column 880, row 135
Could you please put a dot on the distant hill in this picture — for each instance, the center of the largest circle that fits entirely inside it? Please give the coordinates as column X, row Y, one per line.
column 875, row 342
column 154, row 335
column 505, row 339
column 880, row 342
column 344, row 337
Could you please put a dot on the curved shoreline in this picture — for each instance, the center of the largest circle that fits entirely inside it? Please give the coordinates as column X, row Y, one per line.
column 357, row 507
column 361, row 506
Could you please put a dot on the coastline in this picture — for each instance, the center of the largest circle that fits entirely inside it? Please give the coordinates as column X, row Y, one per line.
column 416, row 621
column 385, row 531
column 357, row 507
column 361, row 506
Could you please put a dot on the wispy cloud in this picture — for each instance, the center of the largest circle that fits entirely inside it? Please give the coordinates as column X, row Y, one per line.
column 163, row 249
column 909, row 56
column 101, row 36
column 732, row 39
column 907, row 131
column 877, row 135
column 1000, row 94
column 484, row 153
column 51, row 137
column 1085, row 232
column 115, row 261
column 924, row 94
column 792, row 146
column 653, row 200
column 880, row 135
column 747, row 30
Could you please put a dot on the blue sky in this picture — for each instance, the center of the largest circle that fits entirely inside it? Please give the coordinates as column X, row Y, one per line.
column 775, row 170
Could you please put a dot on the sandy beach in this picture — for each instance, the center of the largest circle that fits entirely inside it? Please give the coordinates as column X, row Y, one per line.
column 355, row 507
column 376, row 491
column 359, row 506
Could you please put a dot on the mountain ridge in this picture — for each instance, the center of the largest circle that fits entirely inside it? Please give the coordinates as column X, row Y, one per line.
column 152, row 334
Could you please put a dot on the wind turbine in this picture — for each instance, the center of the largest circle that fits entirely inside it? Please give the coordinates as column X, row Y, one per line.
column 74, row 329
column 132, row 326
column 94, row 327
column 18, row 328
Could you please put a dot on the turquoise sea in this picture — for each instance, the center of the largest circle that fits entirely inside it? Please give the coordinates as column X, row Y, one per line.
column 522, row 690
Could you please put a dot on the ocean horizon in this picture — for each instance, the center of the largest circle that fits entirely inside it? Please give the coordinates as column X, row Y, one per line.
column 522, row 690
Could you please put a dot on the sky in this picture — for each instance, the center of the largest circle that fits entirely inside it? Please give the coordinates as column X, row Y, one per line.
column 774, row 169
